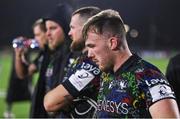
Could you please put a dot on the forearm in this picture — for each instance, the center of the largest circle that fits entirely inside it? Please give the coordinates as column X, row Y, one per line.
column 166, row 108
column 51, row 107
column 20, row 66
column 56, row 99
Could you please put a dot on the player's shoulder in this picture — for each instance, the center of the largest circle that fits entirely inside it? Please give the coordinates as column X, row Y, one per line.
column 175, row 58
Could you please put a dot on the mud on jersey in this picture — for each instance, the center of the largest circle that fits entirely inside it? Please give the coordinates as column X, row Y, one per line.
column 132, row 90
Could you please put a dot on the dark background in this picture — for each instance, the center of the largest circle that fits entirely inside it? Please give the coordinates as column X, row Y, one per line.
column 157, row 21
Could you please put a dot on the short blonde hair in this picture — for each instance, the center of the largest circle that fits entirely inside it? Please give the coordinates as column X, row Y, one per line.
column 106, row 21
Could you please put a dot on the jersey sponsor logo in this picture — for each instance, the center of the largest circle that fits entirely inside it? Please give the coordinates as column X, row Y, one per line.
column 161, row 91
column 90, row 68
column 121, row 85
column 156, row 81
column 89, row 107
column 85, row 75
column 112, row 106
column 80, row 79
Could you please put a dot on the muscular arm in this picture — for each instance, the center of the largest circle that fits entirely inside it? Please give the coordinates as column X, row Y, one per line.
column 166, row 108
column 57, row 98
column 64, row 93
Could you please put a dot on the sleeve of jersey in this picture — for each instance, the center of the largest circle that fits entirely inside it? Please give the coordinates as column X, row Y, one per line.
column 84, row 73
column 158, row 88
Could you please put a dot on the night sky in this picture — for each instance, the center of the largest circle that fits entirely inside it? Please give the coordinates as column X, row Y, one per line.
column 157, row 21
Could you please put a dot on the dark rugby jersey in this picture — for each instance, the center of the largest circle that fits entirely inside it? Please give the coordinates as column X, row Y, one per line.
column 82, row 81
column 132, row 90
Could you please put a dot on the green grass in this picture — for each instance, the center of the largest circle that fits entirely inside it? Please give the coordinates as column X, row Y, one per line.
column 21, row 109
column 160, row 63
column 4, row 75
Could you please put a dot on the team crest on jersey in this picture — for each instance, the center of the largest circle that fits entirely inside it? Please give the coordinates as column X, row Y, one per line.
column 119, row 84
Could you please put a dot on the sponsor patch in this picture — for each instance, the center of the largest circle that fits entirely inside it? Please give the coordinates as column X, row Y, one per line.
column 161, row 91
column 81, row 78
column 90, row 68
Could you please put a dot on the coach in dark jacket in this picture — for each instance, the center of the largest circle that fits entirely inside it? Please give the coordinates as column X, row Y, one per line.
column 57, row 25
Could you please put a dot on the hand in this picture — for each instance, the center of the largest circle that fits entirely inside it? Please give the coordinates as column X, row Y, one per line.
column 19, row 52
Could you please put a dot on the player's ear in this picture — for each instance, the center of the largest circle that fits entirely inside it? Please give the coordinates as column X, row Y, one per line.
column 113, row 43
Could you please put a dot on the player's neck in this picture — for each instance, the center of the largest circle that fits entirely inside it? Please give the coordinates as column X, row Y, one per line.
column 121, row 58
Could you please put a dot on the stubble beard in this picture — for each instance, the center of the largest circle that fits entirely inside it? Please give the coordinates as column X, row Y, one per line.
column 107, row 67
column 77, row 45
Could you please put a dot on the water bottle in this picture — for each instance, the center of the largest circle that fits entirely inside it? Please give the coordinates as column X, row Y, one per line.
column 25, row 43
